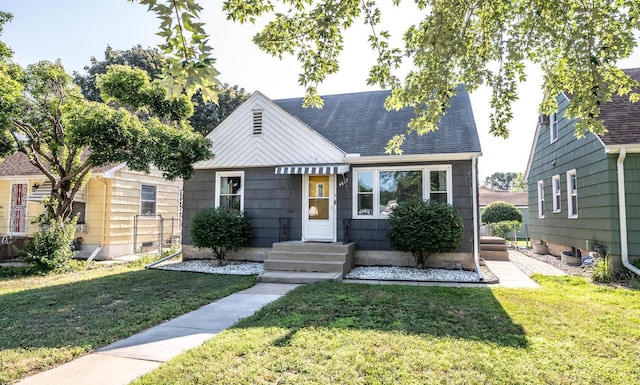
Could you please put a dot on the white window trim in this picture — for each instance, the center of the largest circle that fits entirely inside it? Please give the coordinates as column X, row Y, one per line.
column 553, row 122
column 570, row 195
column 557, row 193
column 225, row 174
column 156, row 201
column 376, row 186
column 541, row 199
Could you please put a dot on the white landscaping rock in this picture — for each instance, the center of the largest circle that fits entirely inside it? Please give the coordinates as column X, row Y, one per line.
column 380, row 273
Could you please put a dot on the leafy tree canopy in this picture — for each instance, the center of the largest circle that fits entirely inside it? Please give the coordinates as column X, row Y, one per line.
column 505, row 181
column 44, row 115
column 206, row 114
column 576, row 44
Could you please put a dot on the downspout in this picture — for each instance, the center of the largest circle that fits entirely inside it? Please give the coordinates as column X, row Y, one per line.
column 476, row 230
column 622, row 213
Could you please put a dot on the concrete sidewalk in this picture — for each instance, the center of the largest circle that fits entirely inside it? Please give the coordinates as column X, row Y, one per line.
column 125, row 360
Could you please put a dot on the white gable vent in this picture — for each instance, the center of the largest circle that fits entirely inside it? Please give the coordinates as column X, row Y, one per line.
column 257, row 122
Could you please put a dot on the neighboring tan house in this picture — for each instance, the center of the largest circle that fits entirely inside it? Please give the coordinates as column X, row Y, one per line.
column 586, row 192
column 119, row 210
column 322, row 176
column 488, row 195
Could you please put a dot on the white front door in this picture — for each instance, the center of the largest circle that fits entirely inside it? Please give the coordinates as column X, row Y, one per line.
column 319, row 208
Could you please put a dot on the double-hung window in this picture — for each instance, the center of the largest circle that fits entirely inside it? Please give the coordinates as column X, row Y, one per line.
column 557, row 193
column 148, row 198
column 572, row 193
column 540, row 199
column 378, row 190
column 230, row 190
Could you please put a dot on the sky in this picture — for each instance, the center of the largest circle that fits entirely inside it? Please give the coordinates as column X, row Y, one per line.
column 74, row 31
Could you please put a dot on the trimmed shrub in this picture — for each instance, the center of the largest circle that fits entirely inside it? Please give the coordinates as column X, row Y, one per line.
column 500, row 212
column 503, row 229
column 50, row 249
column 220, row 230
column 425, row 227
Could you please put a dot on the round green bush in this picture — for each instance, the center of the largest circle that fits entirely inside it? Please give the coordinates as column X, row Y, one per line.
column 220, row 230
column 424, row 228
column 500, row 212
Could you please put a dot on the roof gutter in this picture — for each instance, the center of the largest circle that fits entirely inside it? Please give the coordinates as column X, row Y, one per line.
column 622, row 214
column 476, row 230
column 442, row 157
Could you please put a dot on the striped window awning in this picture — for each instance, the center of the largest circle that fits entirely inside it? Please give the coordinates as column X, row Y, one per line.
column 314, row 169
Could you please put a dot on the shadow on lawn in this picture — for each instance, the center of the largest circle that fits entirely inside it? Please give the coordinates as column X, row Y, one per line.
column 465, row 313
column 98, row 311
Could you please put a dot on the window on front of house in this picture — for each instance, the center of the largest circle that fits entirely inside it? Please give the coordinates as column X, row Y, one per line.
column 540, row 199
column 555, row 182
column 378, row 190
column 572, row 194
column 147, row 200
column 230, row 190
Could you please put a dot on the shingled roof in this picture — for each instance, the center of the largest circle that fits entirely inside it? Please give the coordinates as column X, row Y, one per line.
column 621, row 117
column 18, row 165
column 359, row 123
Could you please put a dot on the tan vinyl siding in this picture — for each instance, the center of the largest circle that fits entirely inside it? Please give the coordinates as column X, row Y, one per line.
column 124, row 205
column 33, row 208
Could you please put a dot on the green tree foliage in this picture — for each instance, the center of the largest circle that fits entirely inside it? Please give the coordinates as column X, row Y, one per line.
column 499, row 212
column 50, row 248
column 221, row 230
column 425, row 227
column 519, row 184
column 502, row 180
column 189, row 66
column 44, row 115
column 147, row 59
column 206, row 114
column 576, row 44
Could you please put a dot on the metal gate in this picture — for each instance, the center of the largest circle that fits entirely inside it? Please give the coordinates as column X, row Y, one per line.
column 155, row 233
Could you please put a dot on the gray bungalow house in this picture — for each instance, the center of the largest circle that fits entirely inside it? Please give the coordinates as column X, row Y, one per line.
column 586, row 192
column 312, row 177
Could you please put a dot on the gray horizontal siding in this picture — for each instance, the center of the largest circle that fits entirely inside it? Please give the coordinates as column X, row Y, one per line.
column 269, row 197
column 371, row 234
column 597, row 189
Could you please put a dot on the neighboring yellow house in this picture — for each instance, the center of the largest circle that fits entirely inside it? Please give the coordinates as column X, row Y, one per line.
column 120, row 211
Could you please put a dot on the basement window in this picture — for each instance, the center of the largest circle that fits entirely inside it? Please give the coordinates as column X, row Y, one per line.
column 257, row 122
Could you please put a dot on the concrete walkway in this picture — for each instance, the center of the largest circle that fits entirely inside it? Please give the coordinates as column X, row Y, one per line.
column 125, row 360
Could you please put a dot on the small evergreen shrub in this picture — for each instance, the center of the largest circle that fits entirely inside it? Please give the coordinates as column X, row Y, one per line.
column 50, row 249
column 424, row 228
column 220, row 230
column 500, row 212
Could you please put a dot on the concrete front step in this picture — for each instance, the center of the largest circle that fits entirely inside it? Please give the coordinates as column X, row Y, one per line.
column 272, row 276
column 492, row 240
column 319, row 247
column 309, row 266
column 494, row 255
column 493, row 247
column 307, row 256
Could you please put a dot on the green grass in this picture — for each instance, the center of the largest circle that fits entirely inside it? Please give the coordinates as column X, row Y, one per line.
column 568, row 332
column 48, row 320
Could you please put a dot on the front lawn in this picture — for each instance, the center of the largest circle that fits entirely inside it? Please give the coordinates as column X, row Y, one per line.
column 48, row 320
column 568, row 332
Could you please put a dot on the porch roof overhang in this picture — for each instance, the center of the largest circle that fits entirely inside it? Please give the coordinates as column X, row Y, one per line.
column 316, row 169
